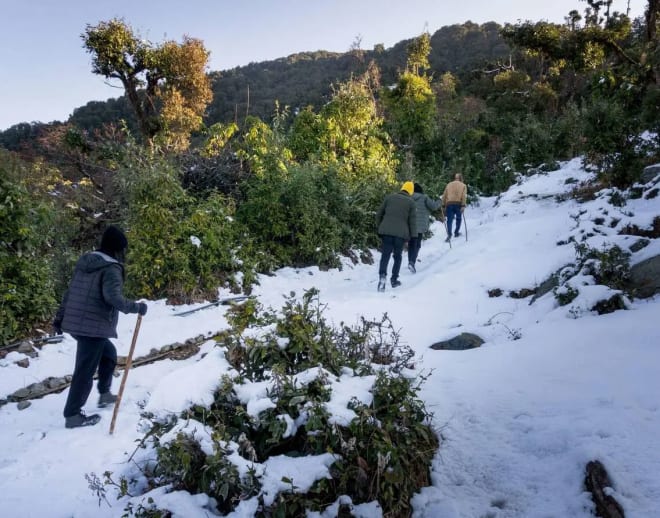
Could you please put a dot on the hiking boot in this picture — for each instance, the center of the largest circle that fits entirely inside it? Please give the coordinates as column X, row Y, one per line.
column 381, row 283
column 396, row 283
column 76, row 421
column 411, row 267
column 448, row 239
column 106, row 399
column 457, row 234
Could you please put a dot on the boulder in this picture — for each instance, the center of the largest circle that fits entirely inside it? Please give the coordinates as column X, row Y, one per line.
column 645, row 278
column 639, row 244
column 649, row 173
column 22, row 405
column 546, row 287
column 461, row 342
column 25, row 347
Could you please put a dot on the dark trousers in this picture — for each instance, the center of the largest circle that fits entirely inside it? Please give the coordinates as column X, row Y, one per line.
column 92, row 353
column 454, row 211
column 391, row 246
column 414, row 245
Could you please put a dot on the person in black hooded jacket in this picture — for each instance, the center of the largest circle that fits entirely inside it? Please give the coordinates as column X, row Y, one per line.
column 90, row 312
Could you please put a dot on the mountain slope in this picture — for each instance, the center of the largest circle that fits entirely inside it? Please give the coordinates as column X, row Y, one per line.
column 552, row 388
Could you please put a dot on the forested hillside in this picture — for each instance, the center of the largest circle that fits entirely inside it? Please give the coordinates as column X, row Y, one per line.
column 305, row 78
column 188, row 163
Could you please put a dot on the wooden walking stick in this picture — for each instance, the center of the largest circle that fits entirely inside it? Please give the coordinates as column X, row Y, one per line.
column 129, row 361
column 465, row 225
column 444, row 221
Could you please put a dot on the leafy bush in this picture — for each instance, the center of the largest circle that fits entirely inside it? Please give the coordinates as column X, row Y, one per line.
column 382, row 454
column 565, row 294
column 313, row 216
column 612, row 142
column 27, row 290
column 179, row 247
column 609, row 266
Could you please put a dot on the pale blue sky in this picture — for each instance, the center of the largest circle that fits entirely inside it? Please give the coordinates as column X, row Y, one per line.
column 45, row 73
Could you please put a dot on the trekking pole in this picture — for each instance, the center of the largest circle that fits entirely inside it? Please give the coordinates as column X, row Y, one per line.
column 129, row 361
column 465, row 225
column 442, row 211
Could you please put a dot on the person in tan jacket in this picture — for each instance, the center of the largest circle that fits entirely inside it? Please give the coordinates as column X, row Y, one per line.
column 454, row 199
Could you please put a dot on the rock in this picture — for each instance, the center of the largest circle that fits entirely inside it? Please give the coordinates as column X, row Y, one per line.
column 605, row 306
column 54, row 382
column 25, row 363
column 649, row 173
column 21, row 393
column 645, row 278
column 634, row 230
column 25, row 347
column 638, row 245
column 366, row 257
column 461, row 342
column 653, row 193
column 495, row 292
column 353, row 256
column 22, row 405
column 36, row 389
column 522, row 293
column 546, row 286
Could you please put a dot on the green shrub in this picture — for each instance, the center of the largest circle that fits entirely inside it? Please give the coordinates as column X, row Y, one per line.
column 179, row 247
column 27, row 288
column 312, row 215
column 565, row 294
column 610, row 266
column 183, row 465
column 383, row 454
column 612, row 142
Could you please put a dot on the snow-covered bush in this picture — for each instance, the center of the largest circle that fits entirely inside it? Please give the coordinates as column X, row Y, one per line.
column 161, row 216
column 609, row 266
column 596, row 282
column 333, row 405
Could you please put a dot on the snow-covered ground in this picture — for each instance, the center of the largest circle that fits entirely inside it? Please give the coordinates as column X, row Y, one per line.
column 552, row 388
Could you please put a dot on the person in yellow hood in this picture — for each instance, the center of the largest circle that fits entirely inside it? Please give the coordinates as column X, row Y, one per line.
column 397, row 223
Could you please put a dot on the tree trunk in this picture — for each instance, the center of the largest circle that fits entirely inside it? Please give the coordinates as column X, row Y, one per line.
column 652, row 19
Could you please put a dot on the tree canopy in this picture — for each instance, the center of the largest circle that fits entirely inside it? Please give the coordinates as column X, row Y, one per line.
column 166, row 84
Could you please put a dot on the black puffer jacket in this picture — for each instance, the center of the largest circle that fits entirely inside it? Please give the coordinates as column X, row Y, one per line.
column 92, row 303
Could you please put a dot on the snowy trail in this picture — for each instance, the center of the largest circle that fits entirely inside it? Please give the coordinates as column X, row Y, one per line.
column 519, row 419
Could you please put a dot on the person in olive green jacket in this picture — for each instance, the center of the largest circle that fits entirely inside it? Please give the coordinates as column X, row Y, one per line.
column 397, row 223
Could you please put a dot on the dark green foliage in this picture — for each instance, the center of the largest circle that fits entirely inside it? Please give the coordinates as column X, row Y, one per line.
column 93, row 115
column 313, row 216
column 183, row 465
column 565, row 294
column 164, row 223
column 382, row 454
column 27, row 289
column 610, row 266
column 309, row 340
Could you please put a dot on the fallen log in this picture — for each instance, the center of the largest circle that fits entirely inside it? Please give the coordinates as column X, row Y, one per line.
column 52, row 385
column 597, row 482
